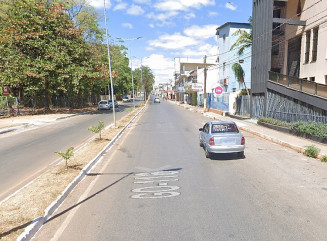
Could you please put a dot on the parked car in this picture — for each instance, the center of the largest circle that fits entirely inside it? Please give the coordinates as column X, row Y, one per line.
column 156, row 100
column 104, row 105
column 221, row 137
column 126, row 99
column 116, row 103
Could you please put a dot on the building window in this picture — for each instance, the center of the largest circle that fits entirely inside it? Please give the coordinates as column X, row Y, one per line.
column 276, row 14
column 307, row 46
column 276, row 70
column 224, row 37
column 224, row 66
column 314, row 44
column 275, row 48
column 313, row 79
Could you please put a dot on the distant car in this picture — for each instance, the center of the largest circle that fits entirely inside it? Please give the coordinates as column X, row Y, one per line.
column 126, row 99
column 221, row 137
column 116, row 103
column 156, row 100
column 104, row 105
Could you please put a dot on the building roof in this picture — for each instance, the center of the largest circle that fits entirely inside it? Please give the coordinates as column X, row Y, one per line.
column 246, row 25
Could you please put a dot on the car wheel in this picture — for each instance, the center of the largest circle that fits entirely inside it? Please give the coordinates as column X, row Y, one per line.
column 240, row 154
column 207, row 153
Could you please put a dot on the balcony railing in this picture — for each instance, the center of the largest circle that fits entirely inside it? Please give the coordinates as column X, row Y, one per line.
column 302, row 85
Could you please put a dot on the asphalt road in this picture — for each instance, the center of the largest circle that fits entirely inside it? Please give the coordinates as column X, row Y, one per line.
column 24, row 154
column 156, row 184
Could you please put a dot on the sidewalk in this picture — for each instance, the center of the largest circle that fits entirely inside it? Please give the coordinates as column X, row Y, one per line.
column 250, row 125
column 20, row 122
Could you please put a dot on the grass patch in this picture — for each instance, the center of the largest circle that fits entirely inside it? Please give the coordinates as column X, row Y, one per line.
column 274, row 122
column 324, row 158
column 311, row 151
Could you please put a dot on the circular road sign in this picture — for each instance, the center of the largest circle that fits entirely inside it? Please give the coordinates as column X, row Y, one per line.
column 218, row 90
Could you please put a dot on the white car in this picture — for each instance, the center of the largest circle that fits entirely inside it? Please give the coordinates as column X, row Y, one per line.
column 126, row 99
column 104, row 105
column 221, row 137
column 156, row 100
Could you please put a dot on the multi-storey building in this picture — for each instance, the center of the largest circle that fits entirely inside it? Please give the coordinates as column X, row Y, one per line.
column 289, row 60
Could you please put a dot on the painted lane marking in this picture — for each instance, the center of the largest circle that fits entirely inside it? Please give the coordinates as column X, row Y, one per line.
column 160, row 180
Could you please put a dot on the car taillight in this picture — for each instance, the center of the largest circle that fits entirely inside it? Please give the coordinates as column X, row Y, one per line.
column 243, row 141
column 211, row 141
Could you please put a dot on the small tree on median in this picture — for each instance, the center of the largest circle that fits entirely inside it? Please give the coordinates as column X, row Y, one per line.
column 98, row 128
column 66, row 155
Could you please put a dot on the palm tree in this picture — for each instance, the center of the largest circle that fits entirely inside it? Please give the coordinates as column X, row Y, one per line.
column 243, row 42
column 239, row 74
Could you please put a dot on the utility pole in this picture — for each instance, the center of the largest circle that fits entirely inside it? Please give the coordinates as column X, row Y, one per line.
column 205, row 83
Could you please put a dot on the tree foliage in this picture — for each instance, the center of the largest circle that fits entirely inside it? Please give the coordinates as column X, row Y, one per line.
column 53, row 48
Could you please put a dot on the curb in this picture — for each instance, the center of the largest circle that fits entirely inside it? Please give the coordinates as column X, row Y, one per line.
column 36, row 224
column 266, row 137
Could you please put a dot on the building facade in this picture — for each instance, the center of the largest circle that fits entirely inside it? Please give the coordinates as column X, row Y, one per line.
column 289, row 60
column 226, row 38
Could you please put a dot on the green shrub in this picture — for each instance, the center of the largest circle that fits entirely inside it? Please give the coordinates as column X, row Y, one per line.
column 274, row 122
column 311, row 151
column 66, row 155
column 324, row 158
column 98, row 128
column 315, row 129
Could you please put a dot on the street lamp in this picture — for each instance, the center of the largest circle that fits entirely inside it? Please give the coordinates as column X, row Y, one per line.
column 109, row 64
column 130, row 57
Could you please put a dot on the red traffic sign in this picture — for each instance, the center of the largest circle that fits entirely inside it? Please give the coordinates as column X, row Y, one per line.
column 5, row 90
column 218, row 90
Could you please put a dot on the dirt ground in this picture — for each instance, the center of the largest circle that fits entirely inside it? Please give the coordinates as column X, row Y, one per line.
column 20, row 210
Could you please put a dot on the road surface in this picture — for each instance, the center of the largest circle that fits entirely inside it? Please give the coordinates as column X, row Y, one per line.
column 156, row 184
column 25, row 154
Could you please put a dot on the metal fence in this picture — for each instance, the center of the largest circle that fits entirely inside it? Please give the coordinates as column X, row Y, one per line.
column 258, row 105
column 243, row 105
column 287, row 109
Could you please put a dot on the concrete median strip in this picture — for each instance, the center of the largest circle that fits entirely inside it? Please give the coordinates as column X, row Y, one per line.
column 37, row 223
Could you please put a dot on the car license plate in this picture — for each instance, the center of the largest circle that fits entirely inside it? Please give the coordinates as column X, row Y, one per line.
column 228, row 142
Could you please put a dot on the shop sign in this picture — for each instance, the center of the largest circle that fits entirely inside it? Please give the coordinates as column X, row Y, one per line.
column 197, row 87
column 180, row 89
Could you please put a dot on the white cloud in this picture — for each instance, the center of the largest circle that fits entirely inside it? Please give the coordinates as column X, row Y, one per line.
column 151, row 25
column 162, row 67
column 135, row 10
column 162, row 17
column 181, row 5
column 127, row 25
column 231, row 6
column 213, row 14
column 142, row 1
column 99, row 3
column 120, row 6
column 189, row 16
column 175, row 41
column 201, row 32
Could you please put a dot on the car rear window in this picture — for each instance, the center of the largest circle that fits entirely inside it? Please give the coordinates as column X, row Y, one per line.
column 221, row 128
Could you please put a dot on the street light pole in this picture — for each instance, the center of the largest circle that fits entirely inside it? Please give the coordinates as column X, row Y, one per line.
column 130, row 57
column 109, row 65
column 132, row 77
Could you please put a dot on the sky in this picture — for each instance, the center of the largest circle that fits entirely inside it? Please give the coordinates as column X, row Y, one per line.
column 169, row 29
